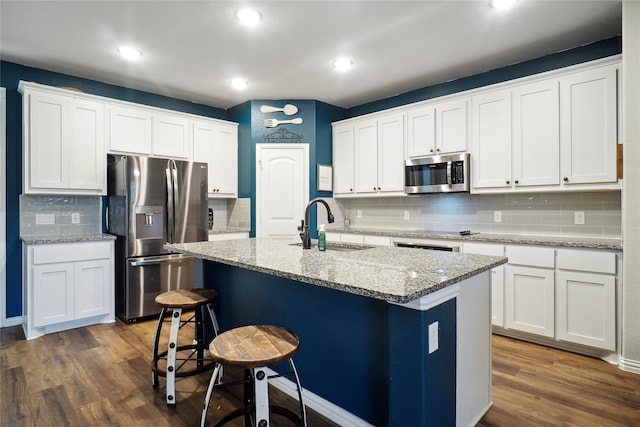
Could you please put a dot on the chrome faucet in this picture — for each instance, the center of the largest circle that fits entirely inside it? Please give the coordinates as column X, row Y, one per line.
column 304, row 223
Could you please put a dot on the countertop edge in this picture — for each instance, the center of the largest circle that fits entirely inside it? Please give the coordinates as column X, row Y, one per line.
column 71, row 238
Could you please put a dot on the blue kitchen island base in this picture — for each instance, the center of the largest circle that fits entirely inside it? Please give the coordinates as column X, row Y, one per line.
column 370, row 357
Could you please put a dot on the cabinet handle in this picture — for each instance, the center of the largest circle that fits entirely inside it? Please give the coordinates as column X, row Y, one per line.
column 565, row 179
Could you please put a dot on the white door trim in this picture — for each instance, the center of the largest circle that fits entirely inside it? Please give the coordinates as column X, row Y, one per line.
column 3, row 207
column 259, row 147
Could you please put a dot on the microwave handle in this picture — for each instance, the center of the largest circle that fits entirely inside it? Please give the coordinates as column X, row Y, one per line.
column 449, row 181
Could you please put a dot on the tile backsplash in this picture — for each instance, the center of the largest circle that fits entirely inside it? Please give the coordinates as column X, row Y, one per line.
column 231, row 213
column 549, row 214
column 60, row 210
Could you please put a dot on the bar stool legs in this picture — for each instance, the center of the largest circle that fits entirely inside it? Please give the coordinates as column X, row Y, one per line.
column 175, row 303
column 254, row 348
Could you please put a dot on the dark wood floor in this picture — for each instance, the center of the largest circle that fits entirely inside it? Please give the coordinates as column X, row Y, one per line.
column 99, row 376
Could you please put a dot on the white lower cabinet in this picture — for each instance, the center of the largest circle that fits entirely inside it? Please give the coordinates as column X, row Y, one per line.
column 529, row 300
column 228, row 236
column 67, row 285
column 497, row 278
column 586, row 298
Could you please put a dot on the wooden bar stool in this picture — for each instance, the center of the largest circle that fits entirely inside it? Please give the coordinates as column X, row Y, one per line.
column 182, row 360
column 255, row 348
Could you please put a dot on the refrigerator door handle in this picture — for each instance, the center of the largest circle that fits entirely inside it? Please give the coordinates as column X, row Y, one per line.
column 158, row 260
column 170, row 204
column 176, row 198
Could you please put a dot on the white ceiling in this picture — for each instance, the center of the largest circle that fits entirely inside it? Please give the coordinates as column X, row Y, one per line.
column 193, row 48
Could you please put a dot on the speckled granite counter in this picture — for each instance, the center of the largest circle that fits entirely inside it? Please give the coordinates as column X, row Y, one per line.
column 388, row 273
column 69, row 238
column 564, row 241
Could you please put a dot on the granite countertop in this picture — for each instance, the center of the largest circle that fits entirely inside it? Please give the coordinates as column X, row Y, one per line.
column 557, row 241
column 391, row 274
column 229, row 230
column 68, row 238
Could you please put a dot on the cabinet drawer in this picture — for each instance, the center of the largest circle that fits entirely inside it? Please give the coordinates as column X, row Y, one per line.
column 531, row 256
column 64, row 252
column 352, row 238
column 483, row 249
column 377, row 240
column 596, row 262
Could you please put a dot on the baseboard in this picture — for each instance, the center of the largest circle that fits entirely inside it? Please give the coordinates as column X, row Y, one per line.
column 322, row 406
column 12, row 321
column 629, row 365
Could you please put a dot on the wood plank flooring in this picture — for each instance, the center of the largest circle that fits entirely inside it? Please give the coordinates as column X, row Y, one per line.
column 100, row 376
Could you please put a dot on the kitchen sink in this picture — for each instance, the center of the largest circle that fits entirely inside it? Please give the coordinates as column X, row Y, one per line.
column 336, row 247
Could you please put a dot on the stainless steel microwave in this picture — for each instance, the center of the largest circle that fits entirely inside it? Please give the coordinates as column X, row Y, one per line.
column 437, row 174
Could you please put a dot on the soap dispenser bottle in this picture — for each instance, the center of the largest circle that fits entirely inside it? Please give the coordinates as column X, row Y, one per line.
column 322, row 239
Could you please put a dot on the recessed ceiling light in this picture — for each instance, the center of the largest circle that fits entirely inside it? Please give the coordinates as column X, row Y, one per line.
column 502, row 4
column 129, row 52
column 248, row 16
column 239, row 83
column 342, row 64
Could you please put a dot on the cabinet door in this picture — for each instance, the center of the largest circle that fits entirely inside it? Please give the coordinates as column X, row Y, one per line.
column 491, row 140
column 366, row 156
column 451, row 127
column 391, row 153
column 53, row 296
column 92, row 288
column 85, row 151
column 47, row 117
column 536, row 137
column 217, row 145
column 421, row 132
column 224, row 176
column 497, row 278
column 343, row 159
column 171, row 137
column 585, row 304
column 129, row 130
column 529, row 300
column 589, row 126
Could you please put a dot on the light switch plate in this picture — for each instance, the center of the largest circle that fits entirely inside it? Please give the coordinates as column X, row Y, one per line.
column 75, row 218
column 358, row 213
column 433, row 337
column 578, row 218
column 497, row 216
column 407, row 215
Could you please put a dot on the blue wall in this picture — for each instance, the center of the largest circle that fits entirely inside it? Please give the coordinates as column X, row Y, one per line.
column 10, row 75
column 317, row 115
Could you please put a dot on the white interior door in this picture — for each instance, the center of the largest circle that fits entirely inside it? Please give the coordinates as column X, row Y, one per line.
column 282, row 188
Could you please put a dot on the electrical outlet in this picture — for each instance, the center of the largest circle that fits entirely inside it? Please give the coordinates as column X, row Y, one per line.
column 358, row 213
column 433, row 337
column 75, row 218
column 45, row 219
column 407, row 215
column 578, row 218
column 497, row 216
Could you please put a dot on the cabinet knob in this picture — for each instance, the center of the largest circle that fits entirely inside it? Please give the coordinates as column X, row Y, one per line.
column 431, row 150
column 565, row 179
column 516, row 181
column 438, row 150
column 374, row 188
column 351, row 189
column 508, row 182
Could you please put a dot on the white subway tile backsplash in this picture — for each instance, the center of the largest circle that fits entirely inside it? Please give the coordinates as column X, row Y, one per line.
column 549, row 214
column 62, row 208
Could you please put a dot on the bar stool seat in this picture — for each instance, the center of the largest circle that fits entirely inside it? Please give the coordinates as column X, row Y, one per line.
column 182, row 360
column 254, row 348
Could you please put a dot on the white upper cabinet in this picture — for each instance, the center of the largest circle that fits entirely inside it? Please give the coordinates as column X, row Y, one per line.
column 129, row 130
column 343, row 159
column 536, row 140
column 138, row 130
column 379, row 155
column 589, row 126
column 171, row 136
column 217, row 144
column 491, row 140
column 63, row 143
column 437, row 129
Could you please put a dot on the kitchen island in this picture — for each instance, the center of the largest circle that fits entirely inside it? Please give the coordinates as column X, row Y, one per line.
column 389, row 336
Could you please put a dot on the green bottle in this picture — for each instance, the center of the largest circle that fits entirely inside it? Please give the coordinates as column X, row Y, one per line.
column 322, row 239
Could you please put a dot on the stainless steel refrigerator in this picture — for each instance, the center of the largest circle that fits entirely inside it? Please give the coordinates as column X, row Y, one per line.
column 152, row 201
